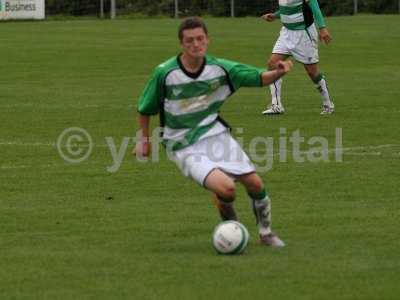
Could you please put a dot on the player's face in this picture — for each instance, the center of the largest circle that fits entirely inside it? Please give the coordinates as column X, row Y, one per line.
column 194, row 42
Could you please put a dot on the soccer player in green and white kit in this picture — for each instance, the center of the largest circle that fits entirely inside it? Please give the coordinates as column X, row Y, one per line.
column 299, row 38
column 188, row 91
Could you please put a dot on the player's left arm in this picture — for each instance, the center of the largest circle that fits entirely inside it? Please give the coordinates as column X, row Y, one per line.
column 324, row 34
column 282, row 67
column 241, row 75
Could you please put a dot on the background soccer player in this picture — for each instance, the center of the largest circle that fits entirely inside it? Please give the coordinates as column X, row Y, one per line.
column 299, row 38
column 188, row 91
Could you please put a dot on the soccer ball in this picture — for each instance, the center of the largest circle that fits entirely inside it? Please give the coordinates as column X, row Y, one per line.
column 230, row 237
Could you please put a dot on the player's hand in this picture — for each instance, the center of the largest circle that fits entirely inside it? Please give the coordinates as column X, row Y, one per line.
column 268, row 17
column 325, row 36
column 284, row 66
column 142, row 149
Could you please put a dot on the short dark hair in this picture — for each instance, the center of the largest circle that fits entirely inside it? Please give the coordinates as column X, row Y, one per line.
column 191, row 23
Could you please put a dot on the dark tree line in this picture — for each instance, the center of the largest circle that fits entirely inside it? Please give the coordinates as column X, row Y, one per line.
column 209, row 7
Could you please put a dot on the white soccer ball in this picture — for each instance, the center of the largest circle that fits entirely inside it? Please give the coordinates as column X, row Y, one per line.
column 230, row 237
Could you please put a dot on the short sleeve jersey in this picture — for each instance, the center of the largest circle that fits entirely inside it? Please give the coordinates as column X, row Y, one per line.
column 300, row 14
column 189, row 103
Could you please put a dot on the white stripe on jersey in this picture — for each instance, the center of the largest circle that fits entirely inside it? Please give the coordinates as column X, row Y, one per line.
column 295, row 18
column 179, row 134
column 175, row 134
column 196, row 104
column 179, row 77
column 208, row 120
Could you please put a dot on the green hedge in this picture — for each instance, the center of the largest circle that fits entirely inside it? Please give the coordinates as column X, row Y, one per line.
column 211, row 7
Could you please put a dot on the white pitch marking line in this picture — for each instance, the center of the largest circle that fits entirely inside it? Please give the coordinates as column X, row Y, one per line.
column 38, row 144
column 21, row 143
column 346, row 151
column 73, row 106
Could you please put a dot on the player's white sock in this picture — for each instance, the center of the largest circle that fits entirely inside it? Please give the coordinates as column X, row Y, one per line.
column 322, row 87
column 262, row 210
column 275, row 89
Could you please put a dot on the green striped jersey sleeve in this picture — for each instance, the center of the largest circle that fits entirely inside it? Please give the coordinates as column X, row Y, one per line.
column 241, row 75
column 149, row 101
column 277, row 14
column 317, row 13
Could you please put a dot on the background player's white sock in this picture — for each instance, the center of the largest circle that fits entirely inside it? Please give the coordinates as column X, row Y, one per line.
column 262, row 210
column 275, row 89
column 322, row 87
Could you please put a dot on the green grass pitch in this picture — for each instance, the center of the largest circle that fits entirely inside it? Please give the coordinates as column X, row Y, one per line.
column 76, row 231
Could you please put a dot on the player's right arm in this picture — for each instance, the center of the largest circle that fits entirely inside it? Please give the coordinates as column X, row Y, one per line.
column 149, row 104
column 142, row 147
column 270, row 17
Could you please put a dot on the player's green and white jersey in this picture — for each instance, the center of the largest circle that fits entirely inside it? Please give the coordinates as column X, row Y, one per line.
column 299, row 14
column 189, row 103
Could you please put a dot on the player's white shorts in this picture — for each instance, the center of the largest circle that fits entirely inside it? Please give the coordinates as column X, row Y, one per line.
column 301, row 44
column 215, row 152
